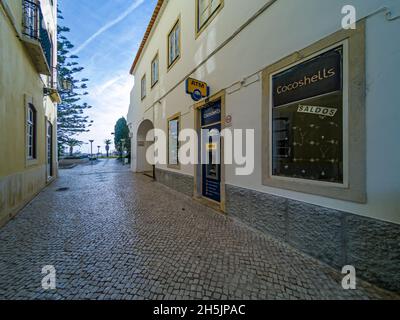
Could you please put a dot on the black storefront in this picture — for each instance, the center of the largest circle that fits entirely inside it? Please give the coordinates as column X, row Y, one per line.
column 211, row 151
column 307, row 119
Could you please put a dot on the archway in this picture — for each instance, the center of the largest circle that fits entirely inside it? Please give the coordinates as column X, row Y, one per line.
column 143, row 166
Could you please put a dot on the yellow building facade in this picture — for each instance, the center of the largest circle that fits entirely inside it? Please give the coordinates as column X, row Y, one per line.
column 28, row 101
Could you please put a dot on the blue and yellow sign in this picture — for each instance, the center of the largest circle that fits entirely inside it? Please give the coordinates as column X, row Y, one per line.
column 197, row 89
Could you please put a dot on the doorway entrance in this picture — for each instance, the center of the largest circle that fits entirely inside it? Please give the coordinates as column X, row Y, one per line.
column 211, row 151
column 143, row 165
column 210, row 173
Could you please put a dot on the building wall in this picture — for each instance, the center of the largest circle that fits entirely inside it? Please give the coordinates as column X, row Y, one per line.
column 285, row 28
column 267, row 40
column 20, row 179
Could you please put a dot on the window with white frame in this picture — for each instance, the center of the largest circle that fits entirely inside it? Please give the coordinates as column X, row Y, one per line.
column 206, row 10
column 314, row 119
column 31, row 132
column 174, row 44
column 143, row 87
column 155, row 71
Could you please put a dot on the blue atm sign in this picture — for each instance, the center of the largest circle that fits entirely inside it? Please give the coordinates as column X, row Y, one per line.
column 197, row 89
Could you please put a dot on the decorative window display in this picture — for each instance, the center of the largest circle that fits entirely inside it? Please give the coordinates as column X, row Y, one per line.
column 307, row 119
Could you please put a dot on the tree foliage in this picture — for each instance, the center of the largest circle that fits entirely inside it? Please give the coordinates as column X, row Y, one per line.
column 71, row 118
column 72, row 143
column 122, row 133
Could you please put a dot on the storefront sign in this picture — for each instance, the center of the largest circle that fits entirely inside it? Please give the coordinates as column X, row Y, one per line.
column 197, row 89
column 211, row 114
column 322, row 111
column 315, row 77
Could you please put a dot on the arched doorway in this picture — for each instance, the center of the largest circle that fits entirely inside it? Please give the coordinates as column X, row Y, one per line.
column 143, row 166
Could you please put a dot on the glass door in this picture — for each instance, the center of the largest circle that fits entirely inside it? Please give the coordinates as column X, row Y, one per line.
column 211, row 151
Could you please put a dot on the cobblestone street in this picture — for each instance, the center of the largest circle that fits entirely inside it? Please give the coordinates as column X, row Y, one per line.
column 114, row 235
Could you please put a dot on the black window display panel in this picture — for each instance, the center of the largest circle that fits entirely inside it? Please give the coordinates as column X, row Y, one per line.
column 308, row 145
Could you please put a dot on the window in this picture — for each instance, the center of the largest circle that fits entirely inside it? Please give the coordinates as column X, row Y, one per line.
column 206, row 11
column 143, row 87
column 307, row 119
column 174, row 44
column 49, row 149
column 314, row 135
column 173, row 142
column 154, row 71
column 31, row 132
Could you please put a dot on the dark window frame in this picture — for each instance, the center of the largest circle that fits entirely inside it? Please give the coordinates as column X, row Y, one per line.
column 31, row 132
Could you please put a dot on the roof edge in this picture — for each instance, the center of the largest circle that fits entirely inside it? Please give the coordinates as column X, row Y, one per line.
column 147, row 34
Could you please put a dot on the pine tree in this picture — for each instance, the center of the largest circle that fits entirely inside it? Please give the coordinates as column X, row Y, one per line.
column 71, row 118
column 122, row 140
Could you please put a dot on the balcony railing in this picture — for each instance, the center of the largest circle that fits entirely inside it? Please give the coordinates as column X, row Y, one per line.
column 53, row 81
column 34, row 28
column 53, row 86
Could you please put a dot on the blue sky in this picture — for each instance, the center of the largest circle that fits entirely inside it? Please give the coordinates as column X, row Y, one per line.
column 106, row 35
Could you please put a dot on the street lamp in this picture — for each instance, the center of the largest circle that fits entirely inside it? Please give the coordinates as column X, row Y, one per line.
column 67, row 85
column 91, row 149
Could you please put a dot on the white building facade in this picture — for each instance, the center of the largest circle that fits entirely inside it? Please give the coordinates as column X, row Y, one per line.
column 321, row 99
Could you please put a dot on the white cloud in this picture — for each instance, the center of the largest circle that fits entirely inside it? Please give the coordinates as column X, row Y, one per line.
column 100, row 89
column 110, row 101
column 107, row 26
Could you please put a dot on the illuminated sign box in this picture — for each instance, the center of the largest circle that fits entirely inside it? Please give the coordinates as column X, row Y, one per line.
column 197, row 89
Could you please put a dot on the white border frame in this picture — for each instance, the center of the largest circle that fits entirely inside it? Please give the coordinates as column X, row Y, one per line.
column 345, row 78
